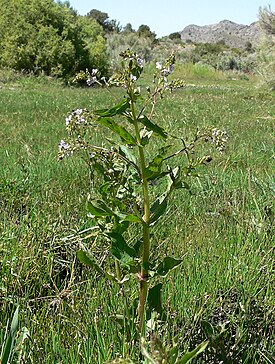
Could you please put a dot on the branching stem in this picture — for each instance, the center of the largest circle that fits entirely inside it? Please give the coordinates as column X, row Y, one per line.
column 143, row 276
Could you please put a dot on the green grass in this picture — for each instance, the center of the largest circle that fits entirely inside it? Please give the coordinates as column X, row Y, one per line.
column 223, row 231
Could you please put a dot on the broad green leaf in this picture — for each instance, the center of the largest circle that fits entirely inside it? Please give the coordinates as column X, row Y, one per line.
column 160, row 132
column 158, row 209
column 167, row 265
column 7, row 352
column 127, row 154
column 116, row 110
column 119, row 246
column 159, row 206
column 132, row 218
column 119, row 130
column 99, row 209
column 87, row 259
column 120, row 226
column 153, row 170
column 175, row 177
column 154, row 299
column 191, row 355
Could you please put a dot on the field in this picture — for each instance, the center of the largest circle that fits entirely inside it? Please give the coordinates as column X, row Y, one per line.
column 223, row 230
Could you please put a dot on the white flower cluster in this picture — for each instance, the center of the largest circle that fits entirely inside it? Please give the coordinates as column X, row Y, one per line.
column 165, row 70
column 93, row 78
column 219, row 138
column 77, row 116
column 64, row 149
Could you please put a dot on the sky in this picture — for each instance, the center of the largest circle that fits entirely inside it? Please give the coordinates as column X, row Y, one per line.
column 168, row 16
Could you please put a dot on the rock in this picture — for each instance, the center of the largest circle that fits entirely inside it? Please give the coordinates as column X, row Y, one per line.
column 226, row 31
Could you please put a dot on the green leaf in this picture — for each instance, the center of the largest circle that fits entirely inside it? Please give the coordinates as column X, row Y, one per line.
column 173, row 355
column 191, row 355
column 208, row 329
column 120, row 226
column 87, row 259
column 132, row 218
column 123, row 150
column 99, row 209
column 167, row 265
column 119, row 130
column 160, row 132
column 116, row 110
column 158, row 209
column 119, row 246
column 175, row 176
column 160, row 205
column 154, row 168
column 154, row 299
column 7, row 352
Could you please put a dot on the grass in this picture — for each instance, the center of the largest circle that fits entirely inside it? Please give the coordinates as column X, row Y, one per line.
column 223, row 230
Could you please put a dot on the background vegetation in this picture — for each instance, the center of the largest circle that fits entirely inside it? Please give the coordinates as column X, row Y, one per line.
column 223, row 230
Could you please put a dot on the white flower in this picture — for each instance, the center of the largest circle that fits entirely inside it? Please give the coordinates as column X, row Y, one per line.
column 63, row 145
column 64, row 149
column 92, row 155
column 94, row 71
column 219, row 138
column 68, row 119
column 159, row 65
column 91, row 81
column 77, row 112
column 132, row 77
column 140, row 62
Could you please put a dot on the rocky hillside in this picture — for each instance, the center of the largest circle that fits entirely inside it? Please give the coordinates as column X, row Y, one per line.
column 232, row 34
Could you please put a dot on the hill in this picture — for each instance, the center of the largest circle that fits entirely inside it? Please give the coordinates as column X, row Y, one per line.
column 232, row 34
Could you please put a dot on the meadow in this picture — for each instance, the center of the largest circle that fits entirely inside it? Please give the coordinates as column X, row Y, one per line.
column 223, row 230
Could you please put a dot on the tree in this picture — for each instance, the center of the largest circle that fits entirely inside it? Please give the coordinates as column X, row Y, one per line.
column 174, row 36
column 128, row 28
column 45, row 36
column 99, row 16
column 145, row 31
column 102, row 19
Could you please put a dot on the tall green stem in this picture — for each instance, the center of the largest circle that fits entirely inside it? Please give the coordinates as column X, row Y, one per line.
column 143, row 276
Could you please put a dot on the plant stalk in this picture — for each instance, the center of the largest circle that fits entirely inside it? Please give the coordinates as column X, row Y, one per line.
column 143, row 276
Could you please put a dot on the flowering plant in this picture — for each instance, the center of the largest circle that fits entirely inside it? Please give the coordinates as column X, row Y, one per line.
column 126, row 176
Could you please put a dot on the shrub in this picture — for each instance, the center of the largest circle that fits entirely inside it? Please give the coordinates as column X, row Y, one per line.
column 44, row 36
column 266, row 47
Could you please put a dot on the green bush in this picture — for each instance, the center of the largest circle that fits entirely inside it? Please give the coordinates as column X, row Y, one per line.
column 116, row 43
column 266, row 47
column 42, row 36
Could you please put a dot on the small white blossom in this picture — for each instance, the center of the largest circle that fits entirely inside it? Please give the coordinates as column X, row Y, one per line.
column 77, row 112
column 68, row 119
column 140, row 62
column 63, row 145
column 159, row 65
column 219, row 138
column 132, row 77
column 91, row 81
column 94, row 71
column 64, row 149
